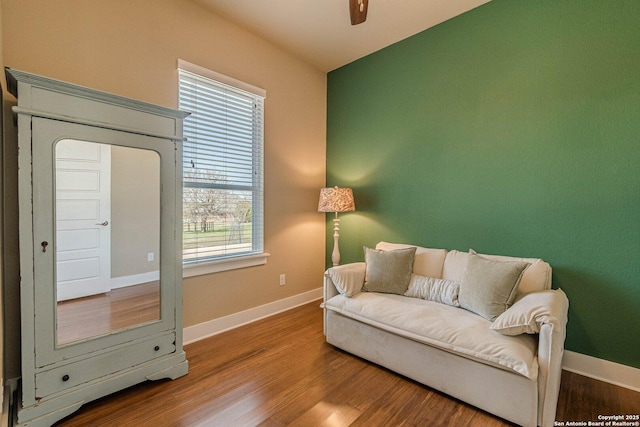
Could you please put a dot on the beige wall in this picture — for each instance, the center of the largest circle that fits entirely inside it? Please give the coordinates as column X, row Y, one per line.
column 131, row 48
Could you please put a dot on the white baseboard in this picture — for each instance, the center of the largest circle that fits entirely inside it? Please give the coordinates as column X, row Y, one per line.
column 603, row 370
column 134, row 279
column 213, row 327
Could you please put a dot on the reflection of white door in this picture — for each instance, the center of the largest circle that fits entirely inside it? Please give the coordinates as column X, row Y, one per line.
column 83, row 211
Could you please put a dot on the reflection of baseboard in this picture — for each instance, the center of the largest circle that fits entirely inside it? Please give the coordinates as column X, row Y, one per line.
column 603, row 370
column 134, row 279
column 212, row 327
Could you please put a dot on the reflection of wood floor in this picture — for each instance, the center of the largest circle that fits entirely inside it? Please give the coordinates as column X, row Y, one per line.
column 279, row 371
column 99, row 314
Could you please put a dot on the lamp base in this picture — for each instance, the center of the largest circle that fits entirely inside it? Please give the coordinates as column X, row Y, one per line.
column 335, row 255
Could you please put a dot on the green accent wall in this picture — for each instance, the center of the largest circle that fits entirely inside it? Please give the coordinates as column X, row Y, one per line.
column 512, row 129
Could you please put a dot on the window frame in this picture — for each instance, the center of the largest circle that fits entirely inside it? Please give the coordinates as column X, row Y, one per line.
column 255, row 258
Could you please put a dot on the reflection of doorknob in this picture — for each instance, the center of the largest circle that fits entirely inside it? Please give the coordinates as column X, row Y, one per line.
column 104, row 224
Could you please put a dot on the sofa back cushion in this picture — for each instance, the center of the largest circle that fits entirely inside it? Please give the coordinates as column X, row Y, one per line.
column 428, row 262
column 537, row 277
column 454, row 265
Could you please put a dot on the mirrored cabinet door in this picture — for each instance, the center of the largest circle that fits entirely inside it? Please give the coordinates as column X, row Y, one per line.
column 100, row 199
column 98, row 274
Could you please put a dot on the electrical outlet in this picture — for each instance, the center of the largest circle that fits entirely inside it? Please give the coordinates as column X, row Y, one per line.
column 282, row 280
column 150, row 256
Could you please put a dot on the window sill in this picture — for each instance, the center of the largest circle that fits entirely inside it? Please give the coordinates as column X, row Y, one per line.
column 199, row 269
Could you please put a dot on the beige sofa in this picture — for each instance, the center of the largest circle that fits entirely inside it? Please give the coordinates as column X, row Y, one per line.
column 509, row 366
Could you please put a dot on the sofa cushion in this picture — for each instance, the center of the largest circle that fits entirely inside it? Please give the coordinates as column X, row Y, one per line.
column 438, row 290
column 441, row 326
column 529, row 312
column 489, row 287
column 537, row 277
column 388, row 271
column 428, row 261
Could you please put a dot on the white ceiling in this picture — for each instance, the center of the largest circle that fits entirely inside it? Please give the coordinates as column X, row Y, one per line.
column 320, row 31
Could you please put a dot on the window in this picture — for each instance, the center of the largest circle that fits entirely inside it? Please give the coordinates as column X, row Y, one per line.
column 222, row 171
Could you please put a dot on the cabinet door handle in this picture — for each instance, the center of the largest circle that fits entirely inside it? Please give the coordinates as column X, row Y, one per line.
column 156, row 348
column 65, row 378
column 104, row 223
column 44, row 246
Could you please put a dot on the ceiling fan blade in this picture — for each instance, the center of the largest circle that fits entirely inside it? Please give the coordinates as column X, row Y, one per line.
column 358, row 9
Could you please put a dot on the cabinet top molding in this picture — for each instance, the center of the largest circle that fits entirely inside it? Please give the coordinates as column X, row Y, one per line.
column 64, row 101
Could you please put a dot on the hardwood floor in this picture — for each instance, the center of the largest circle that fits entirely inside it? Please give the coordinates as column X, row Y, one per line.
column 280, row 372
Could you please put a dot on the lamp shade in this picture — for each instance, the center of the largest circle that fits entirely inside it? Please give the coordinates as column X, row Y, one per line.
column 334, row 199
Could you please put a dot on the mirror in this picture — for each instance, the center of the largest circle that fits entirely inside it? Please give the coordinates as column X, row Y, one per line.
column 107, row 239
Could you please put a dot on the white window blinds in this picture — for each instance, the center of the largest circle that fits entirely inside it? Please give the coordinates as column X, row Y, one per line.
column 222, row 168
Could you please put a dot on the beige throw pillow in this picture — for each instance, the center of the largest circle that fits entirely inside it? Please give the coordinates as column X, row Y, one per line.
column 388, row 271
column 488, row 287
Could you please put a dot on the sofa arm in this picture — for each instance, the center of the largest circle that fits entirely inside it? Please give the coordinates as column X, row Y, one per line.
column 346, row 279
column 330, row 289
column 543, row 313
column 550, row 351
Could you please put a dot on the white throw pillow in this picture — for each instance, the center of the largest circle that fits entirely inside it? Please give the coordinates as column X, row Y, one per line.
column 531, row 311
column 348, row 278
column 432, row 289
